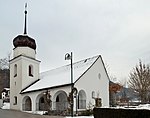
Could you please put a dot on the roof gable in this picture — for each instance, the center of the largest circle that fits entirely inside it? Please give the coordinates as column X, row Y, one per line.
column 61, row 76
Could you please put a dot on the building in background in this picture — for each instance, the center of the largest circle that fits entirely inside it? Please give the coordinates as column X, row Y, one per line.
column 6, row 95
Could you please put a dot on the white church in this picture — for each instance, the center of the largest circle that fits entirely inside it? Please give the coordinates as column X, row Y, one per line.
column 28, row 85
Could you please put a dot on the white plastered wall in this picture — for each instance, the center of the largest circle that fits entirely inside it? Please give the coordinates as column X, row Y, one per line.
column 34, row 95
column 22, row 79
column 26, row 51
column 90, row 81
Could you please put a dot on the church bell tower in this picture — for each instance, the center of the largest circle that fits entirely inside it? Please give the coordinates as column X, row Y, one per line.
column 24, row 68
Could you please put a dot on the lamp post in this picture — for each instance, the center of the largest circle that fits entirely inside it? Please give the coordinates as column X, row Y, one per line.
column 70, row 57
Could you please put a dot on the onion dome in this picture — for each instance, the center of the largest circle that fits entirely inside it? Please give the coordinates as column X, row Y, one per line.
column 24, row 41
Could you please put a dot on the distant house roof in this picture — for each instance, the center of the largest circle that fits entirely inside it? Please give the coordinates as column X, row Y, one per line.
column 6, row 89
column 61, row 76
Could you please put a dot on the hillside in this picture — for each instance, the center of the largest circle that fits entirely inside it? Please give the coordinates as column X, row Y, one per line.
column 4, row 79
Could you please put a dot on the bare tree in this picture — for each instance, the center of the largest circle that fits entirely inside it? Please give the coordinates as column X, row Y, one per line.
column 139, row 80
column 4, row 73
column 4, row 62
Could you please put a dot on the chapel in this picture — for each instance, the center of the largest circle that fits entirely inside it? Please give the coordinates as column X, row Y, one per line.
column 87, row 81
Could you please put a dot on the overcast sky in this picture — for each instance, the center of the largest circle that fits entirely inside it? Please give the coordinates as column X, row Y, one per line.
column 119, row 30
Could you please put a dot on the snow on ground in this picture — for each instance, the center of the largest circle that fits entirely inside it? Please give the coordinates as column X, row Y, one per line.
column 81, row 117
column 6, row 106
column 141, row 106
column 36, row 112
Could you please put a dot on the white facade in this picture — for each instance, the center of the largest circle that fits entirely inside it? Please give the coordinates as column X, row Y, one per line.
column 26, row 51
column 24, row 70
column 96, row 81
column 90, row 77
column 27, row 85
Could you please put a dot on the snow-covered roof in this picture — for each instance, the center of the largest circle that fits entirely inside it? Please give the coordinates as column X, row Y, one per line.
column 61, row 76
column 7, row 89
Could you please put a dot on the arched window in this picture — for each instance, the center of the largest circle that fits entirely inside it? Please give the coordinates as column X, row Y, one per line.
column 27, row 104
column 82, row 100
column 15, row 70
column 31, row 70
column 93, row 94
column 60, row 101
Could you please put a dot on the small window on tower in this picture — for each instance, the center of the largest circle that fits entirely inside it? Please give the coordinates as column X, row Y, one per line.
column 31, row 70
column 15, row 100
column 15, row 70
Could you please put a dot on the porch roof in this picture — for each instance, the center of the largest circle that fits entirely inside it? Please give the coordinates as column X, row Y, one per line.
column 61, row 76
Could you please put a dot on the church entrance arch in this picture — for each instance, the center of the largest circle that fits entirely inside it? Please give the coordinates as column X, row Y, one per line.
column 27, row 103
column 60, row 101
column 81, row 99
column 40, row 103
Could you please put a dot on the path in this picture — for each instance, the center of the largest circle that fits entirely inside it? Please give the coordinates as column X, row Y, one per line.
column 18, row 114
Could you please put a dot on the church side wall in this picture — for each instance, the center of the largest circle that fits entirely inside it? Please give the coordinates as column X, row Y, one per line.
column 95, row 79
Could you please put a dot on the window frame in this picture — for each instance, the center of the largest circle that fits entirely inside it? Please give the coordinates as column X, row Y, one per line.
column 15, row 70
column 15, row 100
column 30, row 70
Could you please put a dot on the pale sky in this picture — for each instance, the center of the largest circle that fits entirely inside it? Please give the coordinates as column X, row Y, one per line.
column 118, row 30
